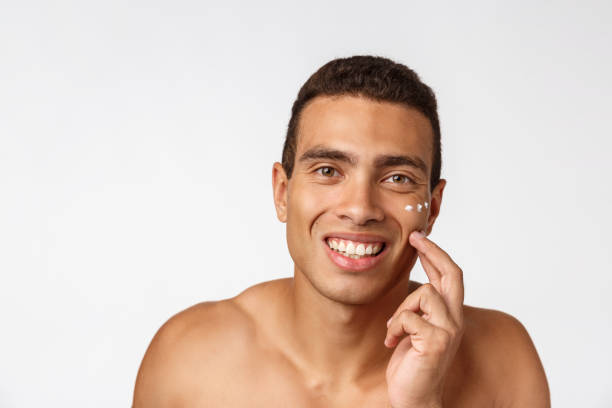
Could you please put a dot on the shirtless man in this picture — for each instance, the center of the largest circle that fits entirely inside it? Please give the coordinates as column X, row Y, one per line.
column 360, row 178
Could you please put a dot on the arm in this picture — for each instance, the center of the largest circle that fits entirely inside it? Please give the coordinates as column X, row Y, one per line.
column 528, row 386
column 157, row 382
column 189, row 358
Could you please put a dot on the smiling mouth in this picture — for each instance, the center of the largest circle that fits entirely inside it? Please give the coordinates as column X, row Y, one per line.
column 355, row 249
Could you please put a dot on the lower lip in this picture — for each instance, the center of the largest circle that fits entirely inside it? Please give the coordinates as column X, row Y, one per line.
column 351, row 264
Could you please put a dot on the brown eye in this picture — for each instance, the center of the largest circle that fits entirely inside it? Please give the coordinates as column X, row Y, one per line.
column 400, row 179
column 326, row 171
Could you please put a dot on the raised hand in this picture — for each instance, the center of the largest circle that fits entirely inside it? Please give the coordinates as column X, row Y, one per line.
column 425, row 330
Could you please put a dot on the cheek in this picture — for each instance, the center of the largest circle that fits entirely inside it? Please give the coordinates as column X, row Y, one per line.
column 306, row 204
column 304, row 208
column 415, row 213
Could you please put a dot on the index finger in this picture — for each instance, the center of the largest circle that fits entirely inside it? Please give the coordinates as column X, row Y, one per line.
column 451, row 275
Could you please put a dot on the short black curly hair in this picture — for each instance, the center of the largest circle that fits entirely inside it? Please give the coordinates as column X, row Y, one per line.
column 373, row 77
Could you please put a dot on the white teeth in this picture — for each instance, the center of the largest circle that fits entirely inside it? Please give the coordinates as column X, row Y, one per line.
column 350, row 248
column 353, row 250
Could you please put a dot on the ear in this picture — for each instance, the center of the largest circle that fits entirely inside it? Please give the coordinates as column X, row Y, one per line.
column 280, row 184
column 434, row 206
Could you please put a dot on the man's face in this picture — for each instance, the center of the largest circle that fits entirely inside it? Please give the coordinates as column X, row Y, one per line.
column 358, row 164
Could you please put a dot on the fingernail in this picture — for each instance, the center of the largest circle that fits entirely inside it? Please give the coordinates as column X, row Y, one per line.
column 389, row 321
column 419, row 234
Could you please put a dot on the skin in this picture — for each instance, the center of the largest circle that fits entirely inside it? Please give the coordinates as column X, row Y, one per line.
column 332, row 338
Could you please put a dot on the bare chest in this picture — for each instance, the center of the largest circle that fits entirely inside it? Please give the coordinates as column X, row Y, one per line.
column 266, row 382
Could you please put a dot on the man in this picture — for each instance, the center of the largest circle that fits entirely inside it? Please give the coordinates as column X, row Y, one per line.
column 359, row 180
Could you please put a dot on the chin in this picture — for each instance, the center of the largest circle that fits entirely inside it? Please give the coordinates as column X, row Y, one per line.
column 350, row 289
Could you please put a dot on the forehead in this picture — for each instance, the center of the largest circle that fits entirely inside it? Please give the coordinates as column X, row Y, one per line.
column 365, row 127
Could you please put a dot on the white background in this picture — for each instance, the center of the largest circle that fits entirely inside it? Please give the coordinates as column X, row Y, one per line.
column 137, row 140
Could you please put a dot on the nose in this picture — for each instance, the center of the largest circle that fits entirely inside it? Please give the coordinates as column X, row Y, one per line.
column 358, row 203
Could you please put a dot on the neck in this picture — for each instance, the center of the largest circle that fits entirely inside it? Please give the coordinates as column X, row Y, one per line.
column 336, row 342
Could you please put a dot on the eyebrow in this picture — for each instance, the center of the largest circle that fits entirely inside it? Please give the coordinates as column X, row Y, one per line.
column 400, row 160
column 320, row 152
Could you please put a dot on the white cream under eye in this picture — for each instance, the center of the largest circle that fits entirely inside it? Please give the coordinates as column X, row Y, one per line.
column 419, row 206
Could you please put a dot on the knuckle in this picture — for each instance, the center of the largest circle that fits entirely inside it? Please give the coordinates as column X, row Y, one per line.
column 405, row 319
column 404, row 315
column 428, row 288
column 438, row 344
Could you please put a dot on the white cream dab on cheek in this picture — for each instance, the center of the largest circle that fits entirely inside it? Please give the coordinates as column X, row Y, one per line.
column 419, row 206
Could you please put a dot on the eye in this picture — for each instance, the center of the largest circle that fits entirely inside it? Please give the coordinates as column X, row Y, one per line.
column 400, row 179
column 326, row 171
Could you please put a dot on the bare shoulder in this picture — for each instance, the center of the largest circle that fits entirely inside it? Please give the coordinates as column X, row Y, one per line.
column 192, row 353
column 501, row 347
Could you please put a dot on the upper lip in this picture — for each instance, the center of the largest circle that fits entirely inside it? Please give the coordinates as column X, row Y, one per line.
column 353, row 236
